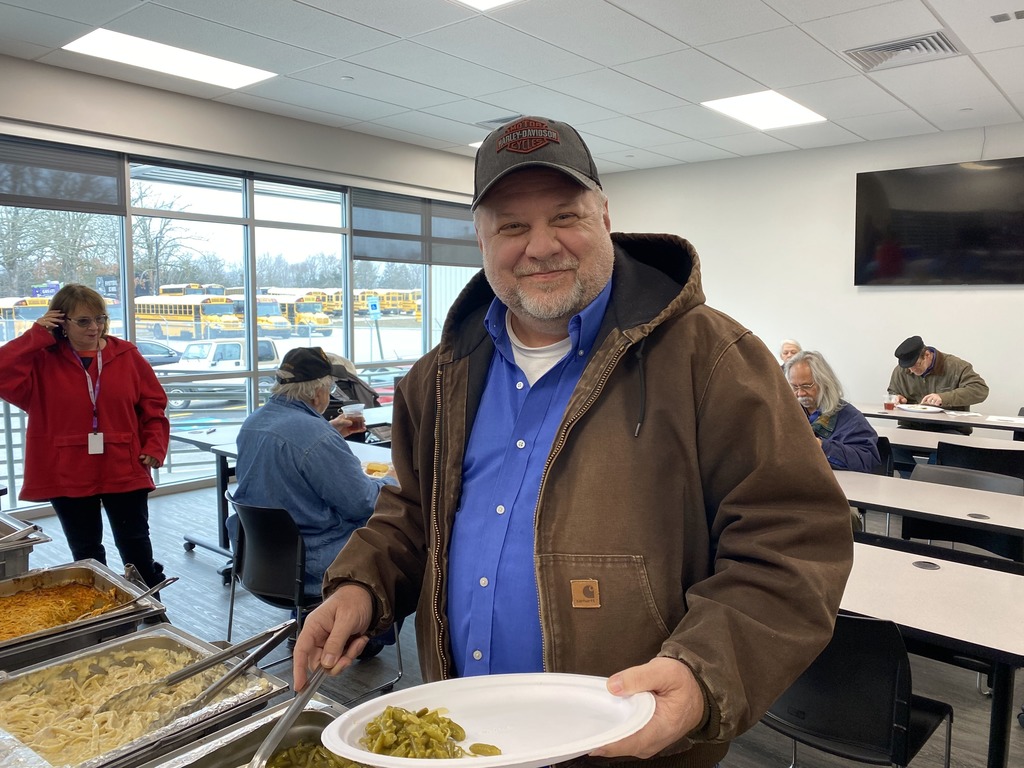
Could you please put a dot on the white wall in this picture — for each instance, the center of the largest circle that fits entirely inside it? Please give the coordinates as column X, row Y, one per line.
column 776, row 236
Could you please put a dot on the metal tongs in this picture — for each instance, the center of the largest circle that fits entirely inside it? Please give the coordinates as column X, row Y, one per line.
column 116, row 608
column 129, row 698
column 20, row 533
column 276, row 635
column 287, row 718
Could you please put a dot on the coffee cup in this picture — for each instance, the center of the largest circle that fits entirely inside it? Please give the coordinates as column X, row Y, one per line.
column 891, row 401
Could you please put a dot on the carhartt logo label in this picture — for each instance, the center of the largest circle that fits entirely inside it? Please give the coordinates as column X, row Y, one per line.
column 585, row 593
column 526, row 136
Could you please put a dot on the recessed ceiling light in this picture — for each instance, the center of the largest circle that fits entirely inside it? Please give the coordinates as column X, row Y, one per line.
column 484, row 5
column 765, row 110
column 158, row 57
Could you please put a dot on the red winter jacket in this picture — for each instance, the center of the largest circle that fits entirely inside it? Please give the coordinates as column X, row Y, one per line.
column 42, row 376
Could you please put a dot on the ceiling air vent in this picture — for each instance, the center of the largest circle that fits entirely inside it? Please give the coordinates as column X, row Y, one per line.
column 898, row 53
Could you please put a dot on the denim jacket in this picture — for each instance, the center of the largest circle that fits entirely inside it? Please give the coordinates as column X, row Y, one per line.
column 290, row 457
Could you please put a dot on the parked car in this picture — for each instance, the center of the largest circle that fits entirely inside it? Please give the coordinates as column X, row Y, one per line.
column 217, row 356
column 157, row 353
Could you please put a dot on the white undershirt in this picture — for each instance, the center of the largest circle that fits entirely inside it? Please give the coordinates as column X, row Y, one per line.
column 535, row 361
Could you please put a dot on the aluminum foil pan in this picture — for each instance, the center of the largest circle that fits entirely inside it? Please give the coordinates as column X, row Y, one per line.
column 236, row 744
column 254, row 690
column 35, row 647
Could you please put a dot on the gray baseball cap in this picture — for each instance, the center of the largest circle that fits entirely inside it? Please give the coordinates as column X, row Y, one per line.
column 533, row 141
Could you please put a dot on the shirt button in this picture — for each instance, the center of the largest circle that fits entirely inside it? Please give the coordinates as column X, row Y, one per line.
column 579, row 353
column 483, row 581
column 500, row 509
column 520, row 443
column 477, row 655
column 519, row 385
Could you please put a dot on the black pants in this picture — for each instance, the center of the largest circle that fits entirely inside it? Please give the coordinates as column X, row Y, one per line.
column 128, row 514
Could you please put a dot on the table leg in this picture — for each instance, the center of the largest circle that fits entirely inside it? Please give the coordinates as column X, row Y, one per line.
column 223, row 545
column 1001, row 715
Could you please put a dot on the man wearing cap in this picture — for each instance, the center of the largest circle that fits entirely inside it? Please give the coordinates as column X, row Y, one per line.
column 290, row 457
column 927, row 376
column 599, row 475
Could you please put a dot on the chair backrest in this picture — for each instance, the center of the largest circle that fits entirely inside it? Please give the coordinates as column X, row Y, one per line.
column 968, row 478
column 1002, row 461
column 1018, row 434
column 856, row 694
column 885, row 466
column 270, row 556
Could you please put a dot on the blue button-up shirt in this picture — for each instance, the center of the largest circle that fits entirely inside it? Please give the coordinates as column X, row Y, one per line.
column 492, row 591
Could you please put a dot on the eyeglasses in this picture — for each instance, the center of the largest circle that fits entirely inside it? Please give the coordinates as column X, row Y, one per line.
column 804, row 387
column 88, row 322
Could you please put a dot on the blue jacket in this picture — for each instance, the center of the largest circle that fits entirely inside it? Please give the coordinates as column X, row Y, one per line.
column 848, row 440
column 290, row 457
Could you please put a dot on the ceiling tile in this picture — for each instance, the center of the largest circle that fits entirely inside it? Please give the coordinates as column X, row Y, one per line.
column 751, row 144
column 470, row 111
column 430, row 67
column 698, row 22
column 782, row 58
column 495, row 45
column 248, row 101
column 631, row 132
column 945, row 81
column 19, row 49
column 94, row 12
column 890, row 125
column 611, row 87
column 845, row 97
column 691, row 75
column 806, row 10
column 593, row 29
column 878, row 24
column 972, row 22
column 322, row 99
column 292, row 23
column 969, row 113
column 537, row 100
column 37, row 28
column 816, row 135
column 374, row 84
column 638, row 158
column 403, row 18
column 435, row 127
column 387, row 132
column 693, row 152
column 1006, row 66
column 695, row 122
column 164, row 25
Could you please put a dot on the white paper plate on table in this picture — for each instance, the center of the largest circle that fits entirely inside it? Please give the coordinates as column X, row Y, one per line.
column 919, row 408
column 534, row 719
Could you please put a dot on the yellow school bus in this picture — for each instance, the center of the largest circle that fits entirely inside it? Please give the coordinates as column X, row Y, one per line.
column 335, row 303
column 305, row 317
column 214, row 289
column 182, row 289
column 17, row 313
column 411, row 301
column 391, row 302
column 186, row 317
column 269, row 319
column 359, row 303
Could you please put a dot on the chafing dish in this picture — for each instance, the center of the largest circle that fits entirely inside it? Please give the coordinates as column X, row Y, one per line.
column 17, row 539
column 22, row 651
column 236, row 744
column 259, row 689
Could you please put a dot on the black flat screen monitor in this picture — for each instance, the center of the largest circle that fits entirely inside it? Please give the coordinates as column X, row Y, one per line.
column 957, row 224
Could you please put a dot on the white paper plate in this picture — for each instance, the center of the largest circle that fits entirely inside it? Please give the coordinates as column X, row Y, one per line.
column 534, row 719
column 919, row 408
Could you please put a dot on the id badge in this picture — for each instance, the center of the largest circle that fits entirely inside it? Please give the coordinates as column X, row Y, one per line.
column 95, row 442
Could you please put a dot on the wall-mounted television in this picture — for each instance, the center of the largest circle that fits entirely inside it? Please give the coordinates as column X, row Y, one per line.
column 957, row 224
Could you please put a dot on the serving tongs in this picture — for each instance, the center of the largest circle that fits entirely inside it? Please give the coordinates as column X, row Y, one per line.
column 276, row 635
column 118, row 607
column 285, row 721
column 19, row 534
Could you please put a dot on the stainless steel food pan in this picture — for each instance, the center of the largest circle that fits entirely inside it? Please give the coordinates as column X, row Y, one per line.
column 34, row 647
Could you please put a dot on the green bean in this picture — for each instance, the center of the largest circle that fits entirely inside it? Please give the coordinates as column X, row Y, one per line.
column 426, row 733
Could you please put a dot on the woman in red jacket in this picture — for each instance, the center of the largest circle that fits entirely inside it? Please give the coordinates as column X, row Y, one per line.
column 96, row 426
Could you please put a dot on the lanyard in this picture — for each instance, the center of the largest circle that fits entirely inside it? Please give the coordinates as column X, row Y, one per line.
column 94, row 389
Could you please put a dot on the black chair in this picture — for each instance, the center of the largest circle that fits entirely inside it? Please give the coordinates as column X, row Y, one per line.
column 1002, row 461
column 856, row 699
column 1001, row 544
column 1018, row 434
column 269, row 560
column 886, row 465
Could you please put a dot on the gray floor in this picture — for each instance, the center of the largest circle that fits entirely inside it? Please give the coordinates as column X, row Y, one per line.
column 198, row 603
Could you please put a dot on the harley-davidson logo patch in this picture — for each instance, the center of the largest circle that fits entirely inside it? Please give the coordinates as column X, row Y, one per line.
column 526, row 136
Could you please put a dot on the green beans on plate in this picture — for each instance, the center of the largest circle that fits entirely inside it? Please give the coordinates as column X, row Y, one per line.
column 426, row 733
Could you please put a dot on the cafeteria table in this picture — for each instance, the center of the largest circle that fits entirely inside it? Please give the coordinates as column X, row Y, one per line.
column 972, row 419
column 947, row 609
column 996, row 512
column 923, row 441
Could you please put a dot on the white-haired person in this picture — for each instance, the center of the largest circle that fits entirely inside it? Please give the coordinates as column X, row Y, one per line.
column 787, row 349
column 290, row 457
column 846, row 437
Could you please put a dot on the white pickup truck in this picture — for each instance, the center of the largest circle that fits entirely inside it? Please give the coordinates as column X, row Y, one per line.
column 216, row 356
